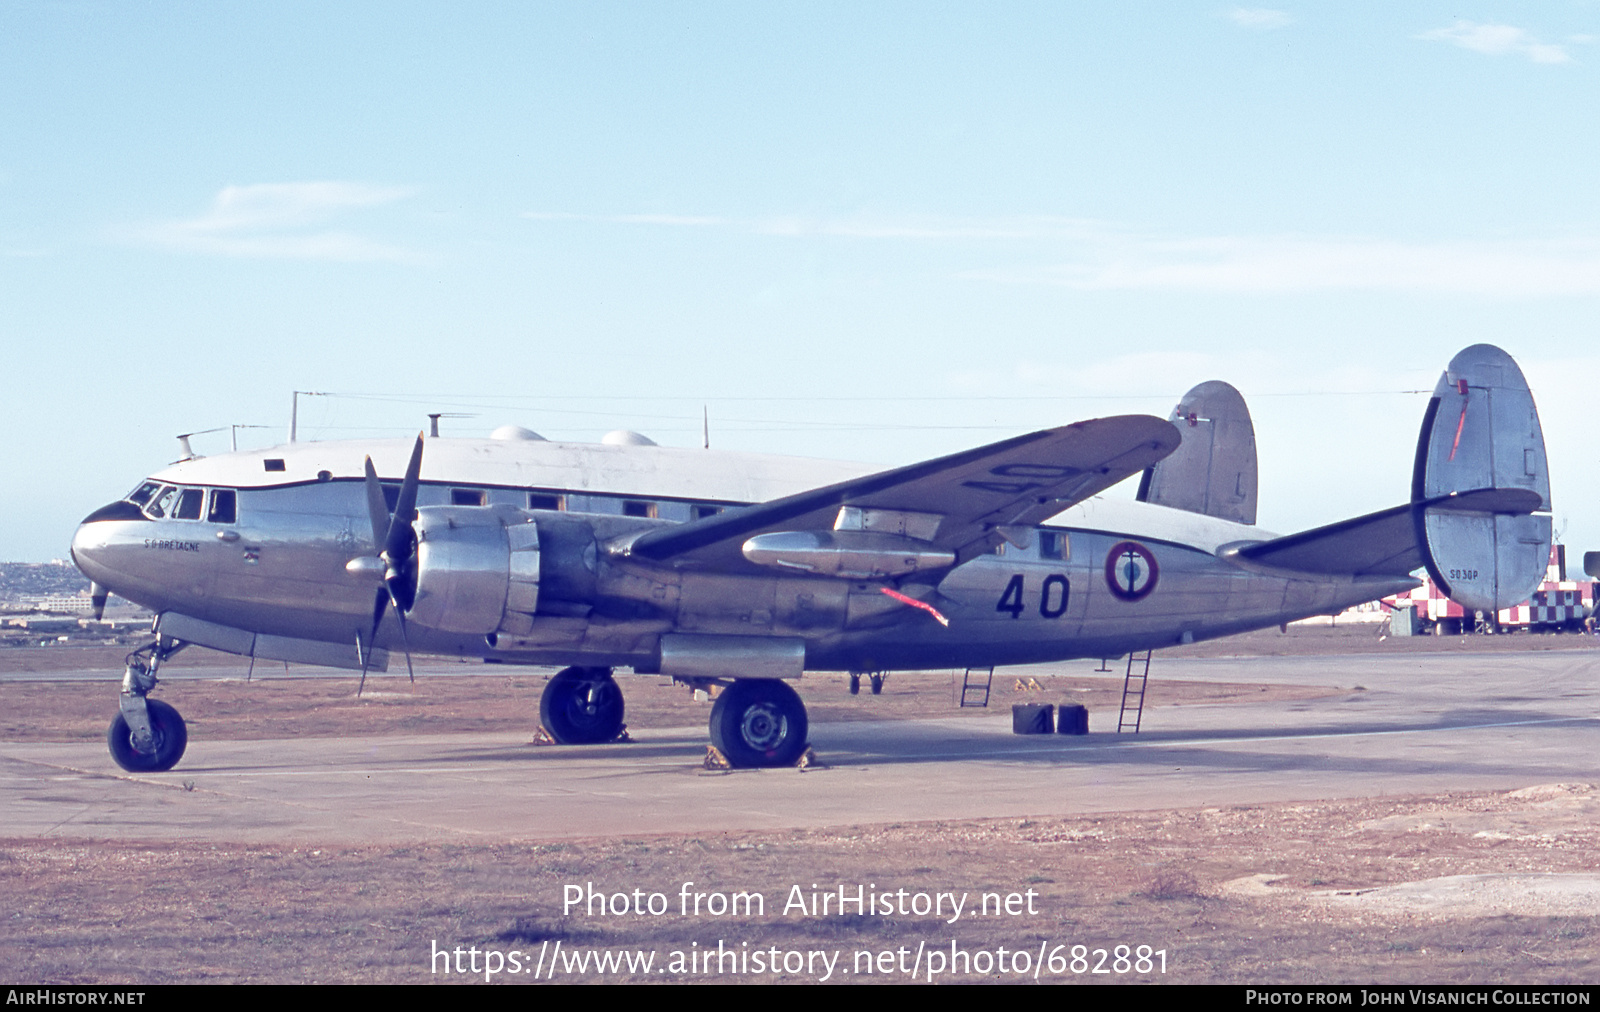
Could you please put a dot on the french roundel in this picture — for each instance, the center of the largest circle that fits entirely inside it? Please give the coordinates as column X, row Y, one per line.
column 1131, row 571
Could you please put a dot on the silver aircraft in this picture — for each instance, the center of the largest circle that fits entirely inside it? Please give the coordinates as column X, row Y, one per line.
column 742, row 572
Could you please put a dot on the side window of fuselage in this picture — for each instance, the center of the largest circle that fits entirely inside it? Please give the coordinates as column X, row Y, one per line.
column 190, row 501
column 224, row 506
column 1053, row 545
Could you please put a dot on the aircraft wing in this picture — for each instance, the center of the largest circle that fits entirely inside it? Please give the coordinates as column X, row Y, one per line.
column 963, row 503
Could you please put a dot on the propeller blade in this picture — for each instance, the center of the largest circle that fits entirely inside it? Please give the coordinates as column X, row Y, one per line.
column 395, row 541
column 377, row 509
column 97, row 597
column 405, row 508
column 380, row 601
column 405, row 641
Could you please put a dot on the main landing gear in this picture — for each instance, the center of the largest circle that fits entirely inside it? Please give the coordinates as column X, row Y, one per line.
column 147, row 735
column 759, row 722
column 754, row 722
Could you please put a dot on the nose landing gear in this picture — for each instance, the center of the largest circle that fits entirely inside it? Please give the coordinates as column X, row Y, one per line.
column 147, row 735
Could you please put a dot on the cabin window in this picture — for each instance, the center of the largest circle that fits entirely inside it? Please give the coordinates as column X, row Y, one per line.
column 189, row 502
column 638, row 508
column 273, row 464
column 224, row 506
column 391, row 497
column 468, row 497
column 701, row 512
column 544, row 501
column 1053, row 545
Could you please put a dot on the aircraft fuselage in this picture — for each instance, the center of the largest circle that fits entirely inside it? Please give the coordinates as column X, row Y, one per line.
column 1102, row 579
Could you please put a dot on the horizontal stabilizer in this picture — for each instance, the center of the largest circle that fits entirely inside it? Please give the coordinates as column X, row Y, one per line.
column 1378, row 544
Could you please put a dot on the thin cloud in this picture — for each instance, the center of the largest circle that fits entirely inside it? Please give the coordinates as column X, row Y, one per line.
column 1498, row 40
column 282, row 221
column 1259, row 18
column 1276, row 264
column 798, row 226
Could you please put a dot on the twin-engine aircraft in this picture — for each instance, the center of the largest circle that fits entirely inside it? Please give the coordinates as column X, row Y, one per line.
column 743, row 572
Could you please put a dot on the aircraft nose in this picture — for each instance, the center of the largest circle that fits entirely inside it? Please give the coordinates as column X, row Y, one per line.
column 99, row 538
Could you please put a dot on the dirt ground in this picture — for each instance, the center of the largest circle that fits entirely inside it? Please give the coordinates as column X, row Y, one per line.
column 1491, row 888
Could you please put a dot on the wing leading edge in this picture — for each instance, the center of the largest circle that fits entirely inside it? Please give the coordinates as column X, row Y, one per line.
column 964, row 503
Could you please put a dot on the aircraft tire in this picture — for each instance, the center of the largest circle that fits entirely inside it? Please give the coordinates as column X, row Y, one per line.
column 566, row 712
column 172, row 737
column 759, row 722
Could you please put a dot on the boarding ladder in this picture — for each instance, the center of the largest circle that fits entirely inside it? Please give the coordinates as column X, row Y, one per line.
column 1133, row 684
column 975, row 686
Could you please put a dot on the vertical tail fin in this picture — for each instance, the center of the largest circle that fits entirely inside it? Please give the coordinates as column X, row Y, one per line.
column 1213, row 471
column 1481, row 487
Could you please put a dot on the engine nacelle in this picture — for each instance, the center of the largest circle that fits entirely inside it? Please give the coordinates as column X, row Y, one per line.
column 477, row 570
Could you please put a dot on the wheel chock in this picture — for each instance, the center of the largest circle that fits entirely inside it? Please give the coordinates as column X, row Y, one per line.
column 715, row 760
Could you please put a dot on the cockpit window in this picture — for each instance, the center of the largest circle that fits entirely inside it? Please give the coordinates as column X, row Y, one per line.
column 224, row 506
column 142, row 494
column 161, row 503
column 189, row 502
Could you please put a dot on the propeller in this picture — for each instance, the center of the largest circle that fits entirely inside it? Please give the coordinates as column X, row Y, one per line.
column 396, row 542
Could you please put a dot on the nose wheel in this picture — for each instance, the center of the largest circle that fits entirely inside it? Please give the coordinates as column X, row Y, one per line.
column 757, row 722
column 157, row 753
column 582, row 706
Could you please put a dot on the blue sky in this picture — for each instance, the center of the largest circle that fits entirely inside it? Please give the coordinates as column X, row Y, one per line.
column 871, row 231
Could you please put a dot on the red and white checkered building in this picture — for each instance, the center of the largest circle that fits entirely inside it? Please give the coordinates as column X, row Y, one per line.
column 1558, row 603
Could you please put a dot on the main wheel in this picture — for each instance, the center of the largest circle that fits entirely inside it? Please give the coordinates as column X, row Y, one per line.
column 171, row 738
column 757, row 722
column 582, row 706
